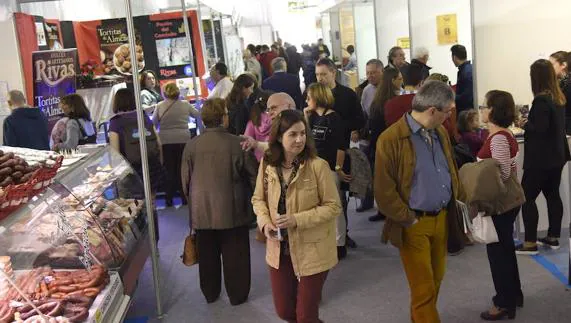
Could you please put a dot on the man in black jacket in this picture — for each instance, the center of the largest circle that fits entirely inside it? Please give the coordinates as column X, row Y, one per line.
column 349, row 108
column 294, row 63
column 465, row 83
column 26, row 127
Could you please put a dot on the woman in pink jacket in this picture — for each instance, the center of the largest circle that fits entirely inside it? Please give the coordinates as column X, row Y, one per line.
column 260, row 123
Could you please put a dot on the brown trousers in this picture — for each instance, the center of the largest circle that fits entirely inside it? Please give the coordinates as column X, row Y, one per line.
column 234, row 246
column 296, row 301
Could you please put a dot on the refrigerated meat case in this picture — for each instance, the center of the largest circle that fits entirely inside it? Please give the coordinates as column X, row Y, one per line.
column 93, row 214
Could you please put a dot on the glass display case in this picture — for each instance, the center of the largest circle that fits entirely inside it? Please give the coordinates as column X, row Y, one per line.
column 93, row 214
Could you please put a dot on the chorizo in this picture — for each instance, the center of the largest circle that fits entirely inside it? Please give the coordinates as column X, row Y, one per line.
column 79, row 300
column 6, row 171
column 92, row 291
column 8, row 163
column 58, row 295
column 66, row 289
column 60, row 282
column 76, row 314
column 17, row 175
column 6, row 181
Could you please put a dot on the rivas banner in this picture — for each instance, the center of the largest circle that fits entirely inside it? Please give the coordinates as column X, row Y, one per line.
column 54, row 78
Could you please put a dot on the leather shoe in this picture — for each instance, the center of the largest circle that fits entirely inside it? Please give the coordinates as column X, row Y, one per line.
column 376, row 218
column 341, row 252
column 501, row 314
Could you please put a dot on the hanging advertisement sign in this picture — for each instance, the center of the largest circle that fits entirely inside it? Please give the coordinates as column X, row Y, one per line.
column 115, row 54
column 447, row 29
column 54, row 77
column 403, row 42
column 172, row 49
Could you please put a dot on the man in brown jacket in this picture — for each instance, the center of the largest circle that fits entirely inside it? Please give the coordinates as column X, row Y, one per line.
column 216, row 178
column 416, row 187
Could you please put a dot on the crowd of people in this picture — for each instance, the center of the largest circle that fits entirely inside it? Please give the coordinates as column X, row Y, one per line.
column 289, row 161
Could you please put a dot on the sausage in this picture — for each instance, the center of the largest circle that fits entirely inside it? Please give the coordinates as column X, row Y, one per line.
column 92, row 291
column 79, row 300
column 76, row 314
column 60, row 282
column 8, row 163
column 55, row 311
column 5, row 158
column 66, row 289
column 6, row 181
column 58, row 295
column 6, row 171
column 17, row 175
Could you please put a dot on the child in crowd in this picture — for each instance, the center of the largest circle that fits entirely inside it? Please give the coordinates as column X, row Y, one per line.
column 470, row 132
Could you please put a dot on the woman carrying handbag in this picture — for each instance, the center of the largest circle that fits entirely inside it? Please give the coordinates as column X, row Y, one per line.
column 499, row 113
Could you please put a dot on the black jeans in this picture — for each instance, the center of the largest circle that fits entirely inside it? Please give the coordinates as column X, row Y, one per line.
column 547, row 181
column 234, row 247
column 172, row 155
column 503, row 261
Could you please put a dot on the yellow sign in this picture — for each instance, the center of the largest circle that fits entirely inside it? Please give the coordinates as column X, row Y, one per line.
column 403, row 42
column 447, row 29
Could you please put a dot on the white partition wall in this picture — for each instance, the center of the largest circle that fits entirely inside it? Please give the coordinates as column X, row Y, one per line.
column 365, row 41
column 391, row 24
column 510, row 35
column 335, row 33
column 423, row 15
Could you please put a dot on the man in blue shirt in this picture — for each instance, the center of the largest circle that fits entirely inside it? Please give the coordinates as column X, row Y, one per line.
column 26, row 127
column 416, row 188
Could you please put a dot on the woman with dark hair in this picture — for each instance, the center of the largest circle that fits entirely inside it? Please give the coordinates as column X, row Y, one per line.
column 561, row 61
column 75, row 128
column 238, row 111
column 217, row 176
column 296, row 202
column 123, row 127
column 546, row 152
column 501, row 145
column 149, row 94
column 397, row 59
column 390, row 87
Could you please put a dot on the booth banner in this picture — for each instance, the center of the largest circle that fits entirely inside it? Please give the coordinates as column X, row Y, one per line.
column 54, row 41
column 113, row 42
column 447, row 29
column 172, row 49
column 54, row 78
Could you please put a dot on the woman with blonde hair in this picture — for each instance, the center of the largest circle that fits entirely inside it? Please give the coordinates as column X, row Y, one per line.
column 296, row 202
column 328, row 132
column 171, row 119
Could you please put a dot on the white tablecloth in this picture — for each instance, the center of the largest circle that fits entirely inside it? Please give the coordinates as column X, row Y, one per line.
column 100, row 101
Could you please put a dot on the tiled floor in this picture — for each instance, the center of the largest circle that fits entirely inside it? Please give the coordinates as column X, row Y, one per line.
column 368, row 286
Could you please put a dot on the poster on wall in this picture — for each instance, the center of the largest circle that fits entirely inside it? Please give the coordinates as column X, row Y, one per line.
column 114, row 48
column 403, row 42
column 447, row 29
column 54, row 41
column 173, row 54
column 54, row 77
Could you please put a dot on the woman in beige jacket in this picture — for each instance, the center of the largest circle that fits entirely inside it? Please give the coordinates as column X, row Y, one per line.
column 296, row 202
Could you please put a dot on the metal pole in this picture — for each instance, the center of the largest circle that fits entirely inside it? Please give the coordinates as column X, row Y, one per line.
column 410, row 29
column 224, row 46
column 191, row 51
column 144, row 159
column 201, row 32
column 214, row 35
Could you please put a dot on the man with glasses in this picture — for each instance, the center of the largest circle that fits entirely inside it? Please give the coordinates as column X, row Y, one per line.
column 277, row 103
column 418, row 188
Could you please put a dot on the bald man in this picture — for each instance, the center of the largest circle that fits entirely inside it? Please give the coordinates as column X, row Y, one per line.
column 277, row 103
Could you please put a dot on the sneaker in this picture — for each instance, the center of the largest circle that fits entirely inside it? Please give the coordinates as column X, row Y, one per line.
column 520, row 249
column 551, row 243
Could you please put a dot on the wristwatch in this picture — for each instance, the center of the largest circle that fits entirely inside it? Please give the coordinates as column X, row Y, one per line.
column 338, row 168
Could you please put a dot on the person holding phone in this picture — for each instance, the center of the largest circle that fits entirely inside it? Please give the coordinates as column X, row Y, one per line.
column 296, row 192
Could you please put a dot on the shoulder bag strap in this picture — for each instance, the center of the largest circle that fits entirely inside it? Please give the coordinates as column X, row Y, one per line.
column 167, row 110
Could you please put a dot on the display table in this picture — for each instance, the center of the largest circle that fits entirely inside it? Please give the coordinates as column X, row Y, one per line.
column 564, row 191
column 100, row 101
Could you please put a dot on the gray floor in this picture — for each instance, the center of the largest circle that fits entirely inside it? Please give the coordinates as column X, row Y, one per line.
column 368, row 286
